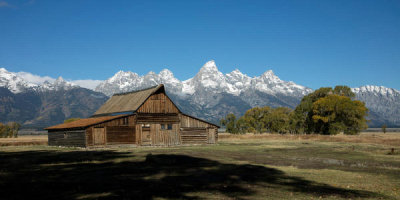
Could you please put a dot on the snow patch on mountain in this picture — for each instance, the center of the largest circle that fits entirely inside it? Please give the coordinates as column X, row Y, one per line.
column 13, row 82
column 377, row 90
column 17, row 82
column 208, row 79
column 58, row 84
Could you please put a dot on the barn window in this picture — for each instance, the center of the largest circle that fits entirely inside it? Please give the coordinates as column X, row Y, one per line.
column 145, row 125
column 125, row 121
column 166, row 126
column 65, row 135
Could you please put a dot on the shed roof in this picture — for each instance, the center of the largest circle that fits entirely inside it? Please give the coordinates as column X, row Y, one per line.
column 82, row 123
column 127, row 102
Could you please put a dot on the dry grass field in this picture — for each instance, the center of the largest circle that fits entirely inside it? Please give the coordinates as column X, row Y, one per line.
column 365, row 137
column 24, row 140
column 248, row 166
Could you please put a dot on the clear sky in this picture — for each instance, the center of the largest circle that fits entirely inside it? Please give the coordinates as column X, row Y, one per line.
column 313, row 43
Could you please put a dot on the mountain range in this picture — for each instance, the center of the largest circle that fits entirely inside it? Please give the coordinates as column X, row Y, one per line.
column 210, row 95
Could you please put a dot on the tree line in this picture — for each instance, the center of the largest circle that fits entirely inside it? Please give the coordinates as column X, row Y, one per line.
column 326, row 111
column 9, row 130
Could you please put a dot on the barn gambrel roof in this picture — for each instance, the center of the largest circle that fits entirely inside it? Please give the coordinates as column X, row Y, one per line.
column 127, row 102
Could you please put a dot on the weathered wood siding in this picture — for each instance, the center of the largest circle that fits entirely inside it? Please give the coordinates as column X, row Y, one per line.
column 194, row 135
column 195, row 131
column 89, row 136
column 157, row 118
column 99, row 136
column 158, row 103
column 124, row 135
column 187, row 121
column 67, row 138
column 120, row 135
column 155, row 136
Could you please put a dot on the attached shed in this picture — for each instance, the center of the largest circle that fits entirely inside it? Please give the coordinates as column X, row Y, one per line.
column 144, row 118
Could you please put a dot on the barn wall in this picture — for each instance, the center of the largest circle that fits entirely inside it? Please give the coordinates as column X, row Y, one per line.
column 194, row 135
column 195, row 131
column 157, row 118
column 158, row 103
column 116, row 132
column 187, row 121
column 67, row 138
column 120, row 135
column 161, row 137
column 154, row 135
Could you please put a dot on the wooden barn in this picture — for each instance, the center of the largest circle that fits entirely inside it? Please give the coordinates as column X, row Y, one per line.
column 146, row 117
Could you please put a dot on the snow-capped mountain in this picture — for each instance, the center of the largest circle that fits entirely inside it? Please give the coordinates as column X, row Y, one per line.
column 48, row 103
column 383, row 104
column 127, row 81
column 17, row 84
column 58, row 84
column 209, row 79
column 13, row 82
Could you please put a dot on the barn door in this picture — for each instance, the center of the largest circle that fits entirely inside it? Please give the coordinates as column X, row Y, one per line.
column 211, row 136
column 99, row 136
column 146, row 137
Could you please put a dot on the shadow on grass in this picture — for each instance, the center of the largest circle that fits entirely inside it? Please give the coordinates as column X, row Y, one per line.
column 94, row 175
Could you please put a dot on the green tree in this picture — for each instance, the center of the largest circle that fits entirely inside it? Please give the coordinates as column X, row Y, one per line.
column 256, row 119
column 242, row 126
column 279, row 120
column 71, row 120
column 296, row 123
column 2, row 130
column 333, row 114
column 304, row 112
column 343, row 90
column 11, row 129
column 230, row 123
column 384, row 126
column 302, row 119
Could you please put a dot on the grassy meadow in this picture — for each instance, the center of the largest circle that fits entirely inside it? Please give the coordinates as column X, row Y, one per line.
column 248, row 166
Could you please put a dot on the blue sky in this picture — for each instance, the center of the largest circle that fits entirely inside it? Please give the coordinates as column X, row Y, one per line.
column 313, row 43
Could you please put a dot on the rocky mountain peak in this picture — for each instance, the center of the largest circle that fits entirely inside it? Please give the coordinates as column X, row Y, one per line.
column 122, row 75
column 166, row 73
column 13, row 82
column 209, row 67
column 381, row 90
column 60, row 80
column 269, row 75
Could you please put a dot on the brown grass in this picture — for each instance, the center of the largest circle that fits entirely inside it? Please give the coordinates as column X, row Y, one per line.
column 371, row 137
column 24, row 140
